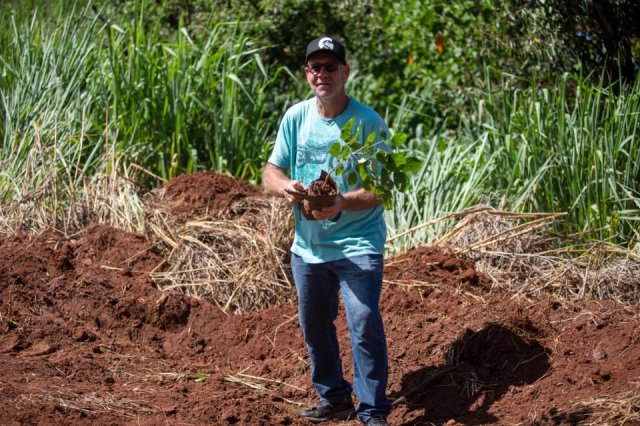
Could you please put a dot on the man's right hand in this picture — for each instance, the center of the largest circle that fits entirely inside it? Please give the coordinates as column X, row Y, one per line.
column 290, row 192
column 276, row 181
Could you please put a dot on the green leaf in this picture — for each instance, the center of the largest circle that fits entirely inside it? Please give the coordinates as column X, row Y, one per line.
column 390, row 163
column 334, row 150
column 381, row 156
column 398, row 139
column 352, row 179
column 345, row 134
column 401, row 181
column 399, row 159
column 339, row 170
column 355, row 137
column 362, row 171
column 368, row 183
column 355, row 145
column 388, row 203
column 413, row 164
column 345, row 153
column 385, row 177
column 370, row 139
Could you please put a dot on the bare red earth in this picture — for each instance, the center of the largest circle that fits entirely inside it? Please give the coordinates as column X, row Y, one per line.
column 199, row 193
column 85, row 338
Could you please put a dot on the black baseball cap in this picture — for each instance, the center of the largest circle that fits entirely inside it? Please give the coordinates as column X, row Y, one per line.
column 326, row 44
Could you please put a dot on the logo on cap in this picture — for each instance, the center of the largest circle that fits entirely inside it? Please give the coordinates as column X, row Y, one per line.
column 326, row 43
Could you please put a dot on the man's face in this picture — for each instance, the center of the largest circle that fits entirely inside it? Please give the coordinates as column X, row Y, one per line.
column 326, row 75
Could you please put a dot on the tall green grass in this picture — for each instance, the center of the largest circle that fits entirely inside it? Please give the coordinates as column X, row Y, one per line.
column 44, row 107
column 190, row 104
column 174, row 106
column 80, row 97
column 572, row 148
column 453, row 177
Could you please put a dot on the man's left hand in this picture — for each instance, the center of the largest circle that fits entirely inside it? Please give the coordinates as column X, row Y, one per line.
column 330, row 211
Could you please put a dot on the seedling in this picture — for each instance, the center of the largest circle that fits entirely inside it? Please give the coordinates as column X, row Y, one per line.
column 379, row 165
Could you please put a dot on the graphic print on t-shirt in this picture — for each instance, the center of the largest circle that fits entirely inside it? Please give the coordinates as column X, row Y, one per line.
column 313, row 156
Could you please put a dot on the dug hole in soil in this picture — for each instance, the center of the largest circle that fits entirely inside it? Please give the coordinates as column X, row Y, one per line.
column 86, row 338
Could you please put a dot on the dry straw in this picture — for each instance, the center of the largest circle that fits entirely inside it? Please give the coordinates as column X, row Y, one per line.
column 609, row 411
column 90, row 402
column 236, row 256
column 69, row 204
column 519, row 253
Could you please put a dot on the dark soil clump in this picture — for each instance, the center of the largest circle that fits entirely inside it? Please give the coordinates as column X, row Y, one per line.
column 321, row 192
column 324, row 185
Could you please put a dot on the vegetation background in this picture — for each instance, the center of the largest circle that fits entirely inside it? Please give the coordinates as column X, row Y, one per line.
column 530, row 106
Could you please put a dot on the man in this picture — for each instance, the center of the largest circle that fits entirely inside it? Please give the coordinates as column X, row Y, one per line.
column 341, row 251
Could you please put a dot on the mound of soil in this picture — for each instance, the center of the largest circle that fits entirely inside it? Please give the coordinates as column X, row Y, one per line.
column 200, row 193
column 85, row 338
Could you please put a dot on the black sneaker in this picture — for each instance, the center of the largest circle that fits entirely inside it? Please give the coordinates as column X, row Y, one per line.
column 376, row 421
column 327, row 411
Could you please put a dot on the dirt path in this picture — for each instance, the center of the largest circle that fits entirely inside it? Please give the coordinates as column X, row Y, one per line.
column 85, row 338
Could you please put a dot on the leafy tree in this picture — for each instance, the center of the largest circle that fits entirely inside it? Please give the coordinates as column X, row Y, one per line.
column 602, row 36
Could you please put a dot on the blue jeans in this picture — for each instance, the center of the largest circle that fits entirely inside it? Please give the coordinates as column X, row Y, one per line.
column 359, row 279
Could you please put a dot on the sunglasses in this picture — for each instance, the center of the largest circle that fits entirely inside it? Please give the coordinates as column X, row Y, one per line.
column 315, row 69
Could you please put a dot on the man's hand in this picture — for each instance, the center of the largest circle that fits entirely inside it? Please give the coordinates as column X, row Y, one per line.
column 290, row 191
column 354, row 200
column 330, row 211
column 276, row 181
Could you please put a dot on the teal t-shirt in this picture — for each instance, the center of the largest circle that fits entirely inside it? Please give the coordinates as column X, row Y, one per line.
column 302, row 146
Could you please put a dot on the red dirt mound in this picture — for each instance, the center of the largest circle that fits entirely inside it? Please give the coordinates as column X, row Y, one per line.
column 434, row 264
column 203, row 192
column 85, row 338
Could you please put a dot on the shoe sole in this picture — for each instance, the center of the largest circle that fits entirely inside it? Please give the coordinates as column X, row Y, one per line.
column 339, row 415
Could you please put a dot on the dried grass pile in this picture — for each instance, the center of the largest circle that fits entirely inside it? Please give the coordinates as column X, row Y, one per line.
column 520, row 253
column 236, row 256
column 108, row 196
column 609, row 411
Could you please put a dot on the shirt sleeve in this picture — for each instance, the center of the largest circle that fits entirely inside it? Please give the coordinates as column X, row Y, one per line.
column 282, row 151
